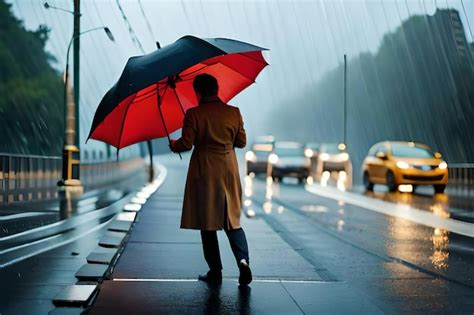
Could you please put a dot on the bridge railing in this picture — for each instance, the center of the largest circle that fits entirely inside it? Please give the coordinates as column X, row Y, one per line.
column 461, row 175
column 31, row 177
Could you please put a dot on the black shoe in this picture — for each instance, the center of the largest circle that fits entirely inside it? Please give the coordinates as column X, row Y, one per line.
column 245, row 274
column 214, row 277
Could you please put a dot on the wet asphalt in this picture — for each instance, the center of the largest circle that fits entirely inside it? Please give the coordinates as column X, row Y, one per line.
column 308, row 254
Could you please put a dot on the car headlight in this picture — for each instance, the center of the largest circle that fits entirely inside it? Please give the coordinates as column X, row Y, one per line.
column 443, row 165
column 273, row 158
column 403, row 165
column 308, row 153
column 250, row 156
column 344, row 156
column 324, row 156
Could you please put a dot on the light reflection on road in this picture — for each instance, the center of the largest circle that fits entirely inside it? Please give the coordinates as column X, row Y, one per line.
column 440, row 240
column 248, row 191
column 271, row 189
column 438, row 204
column 431, row 248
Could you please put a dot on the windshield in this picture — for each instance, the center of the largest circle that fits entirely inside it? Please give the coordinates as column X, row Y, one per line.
column 262, row 150
column 313, row 146
column 400, row 150
column 289, row 151
column 330, row 148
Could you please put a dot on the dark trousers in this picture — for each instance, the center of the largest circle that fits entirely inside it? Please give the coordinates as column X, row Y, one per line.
column 210, row 245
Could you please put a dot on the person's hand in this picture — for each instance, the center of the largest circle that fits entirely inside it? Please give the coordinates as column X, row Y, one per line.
column 171, row 144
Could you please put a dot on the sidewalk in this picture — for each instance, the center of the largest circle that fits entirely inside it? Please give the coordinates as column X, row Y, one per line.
column 158, row 269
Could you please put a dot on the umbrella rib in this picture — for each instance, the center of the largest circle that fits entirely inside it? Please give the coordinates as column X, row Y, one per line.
column 264, row 62
column 179, row 101
column 193, row 71
column 144, row 96
column 250, row 79
column 161, row 114
column 159, row 109
column 123, row 122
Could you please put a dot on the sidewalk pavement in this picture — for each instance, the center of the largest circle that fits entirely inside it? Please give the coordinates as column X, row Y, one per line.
column 158, row 268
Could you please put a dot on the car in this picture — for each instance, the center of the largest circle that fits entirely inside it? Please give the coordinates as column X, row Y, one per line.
column 257, row 157
column 312, row 151
column 395, row 163
column 288, row 159
column 333, row 157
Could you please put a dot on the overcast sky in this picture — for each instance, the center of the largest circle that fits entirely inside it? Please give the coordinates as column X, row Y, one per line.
column 305, row 38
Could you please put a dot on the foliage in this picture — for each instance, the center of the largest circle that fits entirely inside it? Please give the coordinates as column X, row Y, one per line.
column 31, row 109
column 416, row 87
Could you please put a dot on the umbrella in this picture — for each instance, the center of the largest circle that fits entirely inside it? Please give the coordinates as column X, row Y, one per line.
column 154, row 91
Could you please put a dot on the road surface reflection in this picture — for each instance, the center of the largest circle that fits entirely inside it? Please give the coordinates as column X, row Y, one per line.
column 433, row 249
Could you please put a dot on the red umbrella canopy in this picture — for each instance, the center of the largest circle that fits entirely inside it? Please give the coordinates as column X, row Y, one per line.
column 155, row 90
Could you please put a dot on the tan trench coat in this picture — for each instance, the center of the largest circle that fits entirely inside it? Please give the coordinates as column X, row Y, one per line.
column 214, row 128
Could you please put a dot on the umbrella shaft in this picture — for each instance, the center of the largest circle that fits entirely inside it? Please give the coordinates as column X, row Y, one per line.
column 162, row 118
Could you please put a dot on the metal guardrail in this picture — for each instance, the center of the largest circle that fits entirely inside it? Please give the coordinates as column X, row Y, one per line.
column 24, row 177
column 30, row 177
column 461, row 174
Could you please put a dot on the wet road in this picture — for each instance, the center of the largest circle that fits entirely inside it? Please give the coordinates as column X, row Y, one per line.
column 30, row 228
column 401, row 264
column 457, row 204
column 331, row 251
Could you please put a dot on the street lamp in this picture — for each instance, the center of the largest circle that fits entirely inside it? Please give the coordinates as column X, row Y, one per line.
column 71, row 153
column 48, row 6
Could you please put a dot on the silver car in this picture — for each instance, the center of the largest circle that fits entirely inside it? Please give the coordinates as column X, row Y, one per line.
column 288, row 159
column 334, row 160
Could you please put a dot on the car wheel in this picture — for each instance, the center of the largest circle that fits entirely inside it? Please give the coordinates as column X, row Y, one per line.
column 367, row 184
column 439, row 189
column 392, row 186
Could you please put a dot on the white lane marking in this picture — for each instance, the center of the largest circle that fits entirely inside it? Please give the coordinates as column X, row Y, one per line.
column 153, row 280
column 224, row 279
column 396, row 210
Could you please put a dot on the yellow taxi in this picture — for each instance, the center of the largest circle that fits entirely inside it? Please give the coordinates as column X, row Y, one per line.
column 395, row 163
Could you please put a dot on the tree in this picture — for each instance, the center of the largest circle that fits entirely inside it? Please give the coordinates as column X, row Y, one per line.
column 31, row 109
column 417, row 86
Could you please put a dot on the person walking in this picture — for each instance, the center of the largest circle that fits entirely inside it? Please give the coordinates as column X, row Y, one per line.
column 212, row 196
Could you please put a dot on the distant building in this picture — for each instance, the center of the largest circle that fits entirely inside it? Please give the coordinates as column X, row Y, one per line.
column 447, row 24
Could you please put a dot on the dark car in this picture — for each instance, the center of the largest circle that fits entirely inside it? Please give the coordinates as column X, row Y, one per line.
column 257, row 157
column 288, row 159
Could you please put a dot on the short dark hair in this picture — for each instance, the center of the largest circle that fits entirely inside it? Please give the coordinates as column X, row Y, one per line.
column 205, row 84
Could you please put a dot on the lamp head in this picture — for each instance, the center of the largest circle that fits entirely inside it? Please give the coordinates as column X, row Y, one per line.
column 109, row 34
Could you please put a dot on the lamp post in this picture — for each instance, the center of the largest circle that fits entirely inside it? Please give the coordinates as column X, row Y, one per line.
column 71, row 152
column 345, row 102
column 48, row 6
